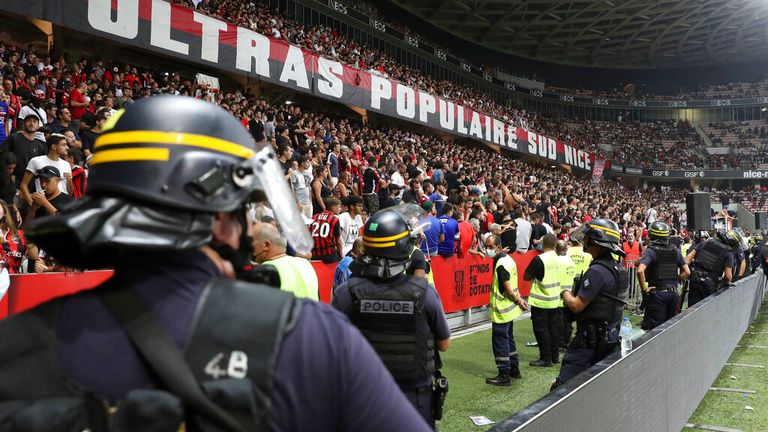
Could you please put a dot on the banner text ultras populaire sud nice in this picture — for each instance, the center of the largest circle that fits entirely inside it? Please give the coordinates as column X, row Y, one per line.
column 181, row 32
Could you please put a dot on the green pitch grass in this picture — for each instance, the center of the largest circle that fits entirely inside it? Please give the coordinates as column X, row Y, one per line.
column 729, row 409
column 470, row 361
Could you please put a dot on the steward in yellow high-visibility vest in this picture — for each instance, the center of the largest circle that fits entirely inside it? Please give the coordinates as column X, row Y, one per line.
column 580, row 258
column 505, row 305
column 546, row 313
column 568, row 273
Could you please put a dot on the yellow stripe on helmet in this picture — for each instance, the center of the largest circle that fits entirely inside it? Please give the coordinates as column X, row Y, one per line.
column 174, row 138
column 659, row 232
column 613, row 233
column 378, row 245
column 131, row 154
column 384, row 239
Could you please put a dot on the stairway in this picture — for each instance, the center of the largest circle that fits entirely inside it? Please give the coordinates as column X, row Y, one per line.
column 703, row 135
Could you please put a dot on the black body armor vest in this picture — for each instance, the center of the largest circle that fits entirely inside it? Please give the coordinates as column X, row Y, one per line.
column 708, row 258
column 604, row 308
column 388, row 312
column 665, row 267
column 235, row 368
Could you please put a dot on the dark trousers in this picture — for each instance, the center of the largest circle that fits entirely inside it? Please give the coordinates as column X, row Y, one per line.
column 421, row 399
column 547, row 327
column 575, row 361
column 567, row 331
column 699, row 289
column 504, row 348
column 371, row 203
column 659, row 307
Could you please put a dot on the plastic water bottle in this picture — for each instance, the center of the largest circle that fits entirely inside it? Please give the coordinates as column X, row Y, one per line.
column 625, row 333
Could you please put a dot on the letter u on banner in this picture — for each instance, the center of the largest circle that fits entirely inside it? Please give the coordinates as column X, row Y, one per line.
column 126, row 23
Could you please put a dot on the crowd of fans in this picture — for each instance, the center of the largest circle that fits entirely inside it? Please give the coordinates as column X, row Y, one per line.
column 662, row 144
column 54, row 111
column 746, row 142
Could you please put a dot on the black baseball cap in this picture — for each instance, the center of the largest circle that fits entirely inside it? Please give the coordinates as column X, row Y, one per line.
column 49, row 171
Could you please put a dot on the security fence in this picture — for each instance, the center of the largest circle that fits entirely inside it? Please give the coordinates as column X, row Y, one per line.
column 658, row 385
column 634, row 294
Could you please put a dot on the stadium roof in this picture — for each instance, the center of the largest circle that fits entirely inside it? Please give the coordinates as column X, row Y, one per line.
column 608, row 33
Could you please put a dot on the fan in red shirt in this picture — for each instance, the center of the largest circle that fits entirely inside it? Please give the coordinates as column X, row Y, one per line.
column 14, row 247
column 77, row 103
column 75, row 158
column 326, row 232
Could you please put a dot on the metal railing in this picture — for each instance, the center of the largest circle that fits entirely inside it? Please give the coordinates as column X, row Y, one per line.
column 658, row 385
column 635, row 294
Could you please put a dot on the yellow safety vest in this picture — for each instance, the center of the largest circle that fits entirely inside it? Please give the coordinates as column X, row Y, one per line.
column 296, row 276
column 684, row 249
column 430, row 275
column 580, row 259
column 502, row 308
column 568, row 272
column 545, row 294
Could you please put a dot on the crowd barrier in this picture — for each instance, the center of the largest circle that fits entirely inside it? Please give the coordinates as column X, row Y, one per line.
column 634, row 294
column 659, row 384
column 463, row 283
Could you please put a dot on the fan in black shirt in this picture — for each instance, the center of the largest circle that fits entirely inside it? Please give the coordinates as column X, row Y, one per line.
column 52, row 199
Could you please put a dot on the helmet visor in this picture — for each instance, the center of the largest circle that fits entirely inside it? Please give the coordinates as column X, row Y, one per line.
column 263, row 168
column 415, row 218
column 741, row 237
column 579, row 233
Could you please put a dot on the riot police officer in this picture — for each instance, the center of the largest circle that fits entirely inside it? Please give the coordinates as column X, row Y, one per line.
column 712, row 265
column 400, row 315
column 658, row 276
column 171, row 340
column 755, row 252
column 739, row 256
column 596, row 301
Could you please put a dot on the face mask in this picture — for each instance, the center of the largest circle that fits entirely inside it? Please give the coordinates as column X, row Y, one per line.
column 491, row 253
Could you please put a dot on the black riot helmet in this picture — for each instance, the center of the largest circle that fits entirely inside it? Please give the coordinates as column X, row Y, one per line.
column 658, row 232
column 729, row 238
column 602, row 232
column 387, row 235
column 161, row 170
column 388, row 238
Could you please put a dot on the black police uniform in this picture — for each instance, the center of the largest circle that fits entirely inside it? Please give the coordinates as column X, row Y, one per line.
column 401, row 317
column 662, row 263
column 711, row 259
column 305, row 367
column 738, row 259
column 597, row 325
column 763, row 255
column 754, row 256
column 166, row 339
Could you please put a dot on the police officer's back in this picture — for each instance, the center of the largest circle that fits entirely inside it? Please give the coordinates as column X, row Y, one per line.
column 596, row 302
column 400, row 315
column 165, row 207
column 713, row 263
column 661, row 268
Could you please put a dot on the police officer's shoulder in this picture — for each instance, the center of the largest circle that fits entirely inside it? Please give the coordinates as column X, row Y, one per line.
column 649, row 252
column 598, row 273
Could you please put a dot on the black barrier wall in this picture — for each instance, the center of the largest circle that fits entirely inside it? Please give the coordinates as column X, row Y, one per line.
column 658, row 386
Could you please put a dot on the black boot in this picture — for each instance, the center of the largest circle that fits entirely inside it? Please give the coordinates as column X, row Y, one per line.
column 514, row 372
column 541, row 363
column 502, row 379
